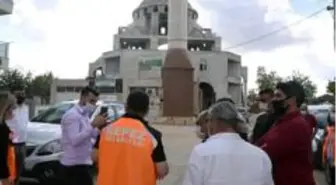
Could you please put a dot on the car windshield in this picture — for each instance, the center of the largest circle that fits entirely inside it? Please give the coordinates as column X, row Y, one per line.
column 114, row 111
column 120, row 108
column 53, row 114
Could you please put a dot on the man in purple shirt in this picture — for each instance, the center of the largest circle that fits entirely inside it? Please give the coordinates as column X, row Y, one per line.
column 78, row 135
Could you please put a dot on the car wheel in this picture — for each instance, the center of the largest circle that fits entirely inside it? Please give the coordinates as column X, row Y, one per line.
column 49, row 173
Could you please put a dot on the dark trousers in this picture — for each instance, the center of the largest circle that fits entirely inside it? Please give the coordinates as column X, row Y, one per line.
column 77, row 175
column 332, row 175
column 20, row 155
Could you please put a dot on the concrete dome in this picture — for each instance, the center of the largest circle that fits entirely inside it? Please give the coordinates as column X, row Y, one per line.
column 146, row 3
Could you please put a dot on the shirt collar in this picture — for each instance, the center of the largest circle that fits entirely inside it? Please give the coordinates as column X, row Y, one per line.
column 225, row 135
column 134, row 116
column 80, row 109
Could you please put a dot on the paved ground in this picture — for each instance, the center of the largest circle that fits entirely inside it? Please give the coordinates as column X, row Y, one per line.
column 320, row 178
column 179, row 141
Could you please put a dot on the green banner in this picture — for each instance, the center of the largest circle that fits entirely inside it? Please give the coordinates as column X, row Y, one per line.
column 149, row 64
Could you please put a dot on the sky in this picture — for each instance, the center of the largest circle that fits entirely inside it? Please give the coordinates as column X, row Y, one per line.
column 63, row 36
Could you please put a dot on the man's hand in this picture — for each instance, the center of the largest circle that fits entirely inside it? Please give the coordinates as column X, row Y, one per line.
column 94, row 155
column 162, row 170
column 99, row 121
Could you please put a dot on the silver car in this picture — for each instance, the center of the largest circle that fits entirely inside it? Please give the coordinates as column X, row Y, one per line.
column 43, row 146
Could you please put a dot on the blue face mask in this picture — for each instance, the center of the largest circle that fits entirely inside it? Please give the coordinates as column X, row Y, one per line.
column 89, row 108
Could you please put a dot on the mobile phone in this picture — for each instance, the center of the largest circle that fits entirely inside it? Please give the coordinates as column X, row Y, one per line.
column 103, row 110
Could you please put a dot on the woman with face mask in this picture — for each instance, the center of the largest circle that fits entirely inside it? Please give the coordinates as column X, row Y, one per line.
column 7, row 159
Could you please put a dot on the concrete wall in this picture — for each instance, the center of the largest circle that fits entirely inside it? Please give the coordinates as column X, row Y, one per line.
column 59, row 96
column 56, row 96
column 216, row 73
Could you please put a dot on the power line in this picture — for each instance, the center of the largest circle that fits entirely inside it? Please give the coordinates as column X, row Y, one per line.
column 286, row 27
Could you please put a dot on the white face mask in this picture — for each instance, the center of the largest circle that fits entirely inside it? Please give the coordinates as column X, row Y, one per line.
column 303, row 112
column 89, row 108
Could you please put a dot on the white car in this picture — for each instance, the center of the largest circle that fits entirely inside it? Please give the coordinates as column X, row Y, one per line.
column 43, row 146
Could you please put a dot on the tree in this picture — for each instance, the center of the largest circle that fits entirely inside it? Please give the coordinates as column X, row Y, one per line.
column 309, row 87
column 14, row 78
column 40, row 86
column 251, row 95
column 267, row 79
column 331, row 86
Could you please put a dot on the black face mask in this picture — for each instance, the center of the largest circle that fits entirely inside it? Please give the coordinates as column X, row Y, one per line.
column 20, row 99
column 279, row 107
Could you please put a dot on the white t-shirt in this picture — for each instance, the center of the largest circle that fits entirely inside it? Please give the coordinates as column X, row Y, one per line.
column 18, row 125
column 226, row 159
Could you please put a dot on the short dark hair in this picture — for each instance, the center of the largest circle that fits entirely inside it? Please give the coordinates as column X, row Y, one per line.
column 266, row 91
column 138, row 101
column 86, row 90
column 225, row 99
column 293, row 89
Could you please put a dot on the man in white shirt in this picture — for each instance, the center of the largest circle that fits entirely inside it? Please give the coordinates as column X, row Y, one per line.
column 225, row 158
column 18, row 126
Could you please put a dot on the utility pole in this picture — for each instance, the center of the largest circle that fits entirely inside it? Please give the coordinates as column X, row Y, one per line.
column 332, row 9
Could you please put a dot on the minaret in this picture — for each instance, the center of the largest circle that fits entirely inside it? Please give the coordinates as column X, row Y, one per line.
column 177, row 72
